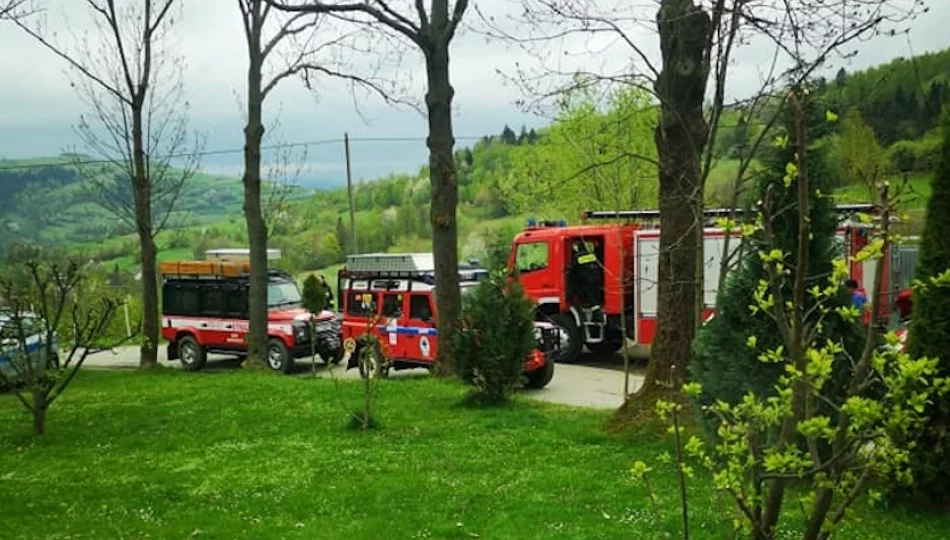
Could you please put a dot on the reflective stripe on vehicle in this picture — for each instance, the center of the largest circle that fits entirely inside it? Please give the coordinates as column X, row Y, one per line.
column 408, row 330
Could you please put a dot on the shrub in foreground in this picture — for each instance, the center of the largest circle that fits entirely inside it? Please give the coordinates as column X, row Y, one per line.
column 495, row 336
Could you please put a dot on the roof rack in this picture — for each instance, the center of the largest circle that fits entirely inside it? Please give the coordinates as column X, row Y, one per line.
column 847, row 209
column 403, row 265
column 204, row 269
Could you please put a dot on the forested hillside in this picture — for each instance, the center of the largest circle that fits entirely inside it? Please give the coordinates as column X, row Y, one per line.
column 596, row 154
column 45, row 201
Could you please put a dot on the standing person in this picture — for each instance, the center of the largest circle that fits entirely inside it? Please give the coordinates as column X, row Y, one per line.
column 586, row 278
column 859, row 298
column 327, row 291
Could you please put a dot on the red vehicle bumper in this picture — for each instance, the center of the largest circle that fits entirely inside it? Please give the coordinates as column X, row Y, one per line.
column 535, row 361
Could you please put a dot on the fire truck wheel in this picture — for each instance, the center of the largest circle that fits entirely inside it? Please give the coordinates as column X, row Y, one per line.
column 540, row 378
column 572, row 352
column 278, row 356
column 192, row 355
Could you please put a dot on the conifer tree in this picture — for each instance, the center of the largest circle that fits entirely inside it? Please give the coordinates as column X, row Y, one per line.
column 725, row 364
column 930, row 330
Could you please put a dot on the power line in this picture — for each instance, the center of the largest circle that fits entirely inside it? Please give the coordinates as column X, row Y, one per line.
column 303, row 144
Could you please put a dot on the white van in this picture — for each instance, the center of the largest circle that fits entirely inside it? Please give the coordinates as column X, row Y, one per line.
column 12, row 350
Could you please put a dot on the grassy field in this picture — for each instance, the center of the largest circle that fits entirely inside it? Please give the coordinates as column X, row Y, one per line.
column 244, row 455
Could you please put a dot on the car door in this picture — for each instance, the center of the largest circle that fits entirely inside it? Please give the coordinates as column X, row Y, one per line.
column 421, row 342
column 392, row 330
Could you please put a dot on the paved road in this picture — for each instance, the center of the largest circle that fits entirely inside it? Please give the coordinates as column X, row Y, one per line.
column 588, row 384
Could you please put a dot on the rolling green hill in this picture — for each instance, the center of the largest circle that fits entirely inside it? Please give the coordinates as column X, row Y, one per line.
column 45, row 200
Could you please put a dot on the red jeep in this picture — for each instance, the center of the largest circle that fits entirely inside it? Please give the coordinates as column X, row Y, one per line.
column 392, row 297
column 205, row 309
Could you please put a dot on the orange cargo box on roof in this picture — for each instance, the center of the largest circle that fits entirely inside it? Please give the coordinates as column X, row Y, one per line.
column 204, row 268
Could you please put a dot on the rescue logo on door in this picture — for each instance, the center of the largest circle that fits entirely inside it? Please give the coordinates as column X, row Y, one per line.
column 424, row 346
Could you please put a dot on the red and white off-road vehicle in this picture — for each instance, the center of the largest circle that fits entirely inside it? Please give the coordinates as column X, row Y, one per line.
column 392, row 297
column 205, row 310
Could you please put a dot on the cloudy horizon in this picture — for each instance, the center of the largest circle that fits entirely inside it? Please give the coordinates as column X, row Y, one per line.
column 38, row 109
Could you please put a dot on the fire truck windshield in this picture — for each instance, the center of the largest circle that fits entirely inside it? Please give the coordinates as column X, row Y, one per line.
column 282, row 294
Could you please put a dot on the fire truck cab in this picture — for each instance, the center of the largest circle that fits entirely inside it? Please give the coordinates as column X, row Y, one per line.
column 628, row 254
column 392, row 297
column 205, row 310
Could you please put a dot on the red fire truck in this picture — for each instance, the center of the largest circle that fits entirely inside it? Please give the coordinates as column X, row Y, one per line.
column 392, row 297
column 628, row 253
column 205, row 310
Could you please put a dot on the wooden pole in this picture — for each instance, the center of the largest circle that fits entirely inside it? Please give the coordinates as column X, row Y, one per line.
column 349, row 190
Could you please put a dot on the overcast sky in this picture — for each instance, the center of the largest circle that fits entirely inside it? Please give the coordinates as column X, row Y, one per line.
column 38, row 108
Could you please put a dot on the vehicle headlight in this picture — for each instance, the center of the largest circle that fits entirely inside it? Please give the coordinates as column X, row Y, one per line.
column 300, row 331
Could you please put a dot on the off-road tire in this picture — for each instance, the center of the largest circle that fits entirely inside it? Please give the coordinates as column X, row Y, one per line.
column 278, row 356
column 372, row 355
column 192, row 356
column 540, row 378
column 572, row 353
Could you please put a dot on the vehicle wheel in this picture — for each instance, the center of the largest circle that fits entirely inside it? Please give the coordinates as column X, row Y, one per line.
column 371, row 362
column 192, row 355
column 575, row 339
column 540, row 378
column 278, row 356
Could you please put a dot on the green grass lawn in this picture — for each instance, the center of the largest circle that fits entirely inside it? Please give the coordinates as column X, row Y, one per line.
column 235, row 455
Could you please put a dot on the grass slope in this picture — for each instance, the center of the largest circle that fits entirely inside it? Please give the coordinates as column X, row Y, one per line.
column 236, row 455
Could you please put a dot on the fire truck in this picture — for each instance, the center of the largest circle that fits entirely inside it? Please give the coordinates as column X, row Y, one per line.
column 205, row 310
column 627, row 249
column 392, row 297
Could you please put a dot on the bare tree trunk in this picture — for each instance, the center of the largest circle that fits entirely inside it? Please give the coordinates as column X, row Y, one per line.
column 142, row 193
column 40, row 406
column 256, row 228
column 680, row 136
column 444, row 201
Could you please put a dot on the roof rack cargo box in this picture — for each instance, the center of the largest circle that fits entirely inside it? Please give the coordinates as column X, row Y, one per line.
column 210, row 269
column 237, row 254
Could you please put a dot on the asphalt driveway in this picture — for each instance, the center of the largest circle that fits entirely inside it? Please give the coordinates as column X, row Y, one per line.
column 586, row 384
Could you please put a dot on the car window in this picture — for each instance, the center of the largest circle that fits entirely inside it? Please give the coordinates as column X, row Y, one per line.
column 531, row 257
column 361, row 303
column 282, row 294
column 236, row 302
column 419, row 308
column 213, row 301
column 392, row 305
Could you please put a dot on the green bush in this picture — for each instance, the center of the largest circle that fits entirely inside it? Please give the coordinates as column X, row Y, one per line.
column 495, row 336
column 726, row 366
column 313, row 296
column 930, row 329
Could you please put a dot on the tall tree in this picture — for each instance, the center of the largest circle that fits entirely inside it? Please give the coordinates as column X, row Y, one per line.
column 592, row 157
column 431, row 31
column 861, row 160
column 306, row 43
column 132, row 81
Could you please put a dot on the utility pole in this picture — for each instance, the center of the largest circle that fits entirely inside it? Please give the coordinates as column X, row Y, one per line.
column 349, row 191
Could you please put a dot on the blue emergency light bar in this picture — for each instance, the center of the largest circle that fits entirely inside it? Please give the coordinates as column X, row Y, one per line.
column 532, row 223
